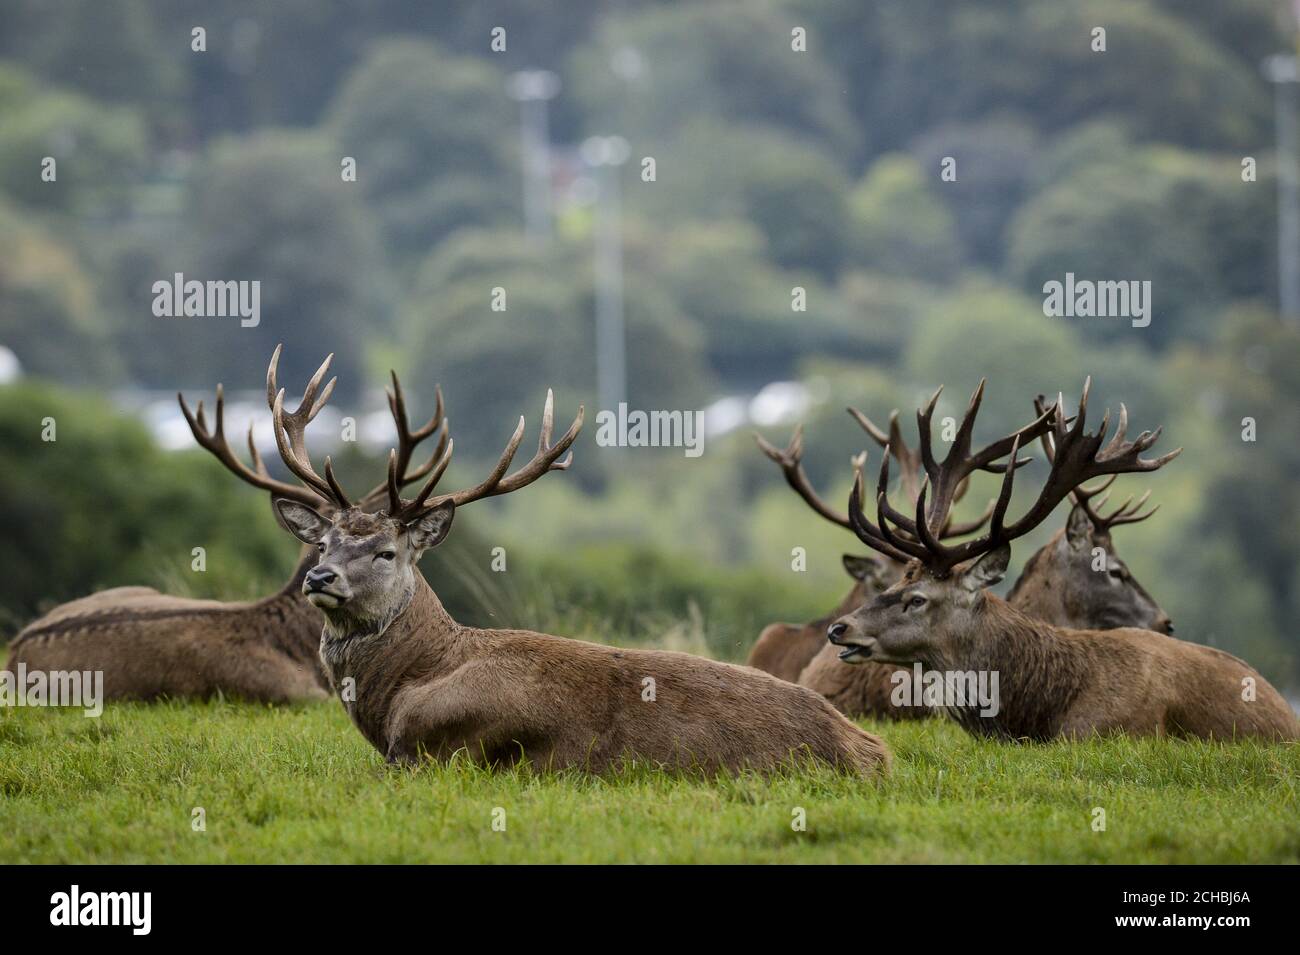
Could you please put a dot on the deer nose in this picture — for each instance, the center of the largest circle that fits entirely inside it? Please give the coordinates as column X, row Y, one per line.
column 318, row 578
column 835, row 631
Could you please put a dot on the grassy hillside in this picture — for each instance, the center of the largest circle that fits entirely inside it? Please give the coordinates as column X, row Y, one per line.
column 300, row 785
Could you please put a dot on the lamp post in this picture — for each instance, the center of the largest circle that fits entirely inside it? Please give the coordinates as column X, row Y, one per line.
column 1281, row 70
column 606, row 154
column 532, row 89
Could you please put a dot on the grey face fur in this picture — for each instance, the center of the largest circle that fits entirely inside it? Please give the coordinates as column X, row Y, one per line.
column 366, row 571
column 915, row 618
column 1096, row 585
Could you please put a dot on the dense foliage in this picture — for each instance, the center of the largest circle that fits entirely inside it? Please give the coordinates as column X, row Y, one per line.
column 776, row 169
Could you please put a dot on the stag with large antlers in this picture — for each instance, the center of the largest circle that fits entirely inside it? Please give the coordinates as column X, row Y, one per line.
column 1054, row 586
column 1053, row 681
column 416, row 683
column 151, row 645
column 784, row 649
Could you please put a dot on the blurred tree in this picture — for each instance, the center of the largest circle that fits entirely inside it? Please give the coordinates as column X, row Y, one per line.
column 795, row 194
column 434, row 139
column 992, row 161
column 912, row 65
column 727, row 61
column 101, row 506
column 495, row 365
column 901, row 224
column 112, row 50
column 100, row 151
column 48, row 313
column 271, row 208
column 1161, row 215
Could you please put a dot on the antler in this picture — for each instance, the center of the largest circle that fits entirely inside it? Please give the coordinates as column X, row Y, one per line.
column 290, row 428
column 791, row 463
column 1079, row 457
column 1126, row 513
column 215, row 442
column 407, row 441
column 909, row 461
column 498, row 481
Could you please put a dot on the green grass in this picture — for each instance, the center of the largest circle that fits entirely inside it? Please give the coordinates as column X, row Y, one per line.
column 299, row 784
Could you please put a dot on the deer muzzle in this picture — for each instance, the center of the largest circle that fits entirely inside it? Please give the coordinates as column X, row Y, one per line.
column 855, row 646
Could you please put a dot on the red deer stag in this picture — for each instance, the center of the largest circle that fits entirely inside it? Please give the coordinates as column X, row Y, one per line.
column 1058, row 585
column 785, row 649
column 151, row 645
column 415, row 682
column 1076, row 580
column 1052, row 681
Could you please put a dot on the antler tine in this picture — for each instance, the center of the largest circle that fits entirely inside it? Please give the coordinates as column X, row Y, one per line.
column 885, row 510
column 790, row 462
column 909, row 461
column 923, row 417
column 1079, row 457
column 1076, row 455
column 1126, row 513
column 863, row 528
column 408, row 439
column 547, row 458
column 1130, row 515
column 290, row 430
column 215, row 443
column 948, row 478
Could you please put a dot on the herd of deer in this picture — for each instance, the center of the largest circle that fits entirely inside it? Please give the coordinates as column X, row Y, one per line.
column 1079, row 646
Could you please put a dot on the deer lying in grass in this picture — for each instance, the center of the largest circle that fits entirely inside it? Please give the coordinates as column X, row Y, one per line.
column 1052, row 681
column 151, row 645
column 415, row 682
column 785, row 649
column 1057, row 585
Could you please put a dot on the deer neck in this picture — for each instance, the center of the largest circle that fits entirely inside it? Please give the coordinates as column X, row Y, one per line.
column 368, row 665
column 1039, row 673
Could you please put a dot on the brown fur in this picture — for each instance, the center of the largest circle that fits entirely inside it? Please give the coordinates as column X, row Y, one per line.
column 1055, row 681
column 416, row 682
column 150, row 645
column 1056, row 586
column 428, row 685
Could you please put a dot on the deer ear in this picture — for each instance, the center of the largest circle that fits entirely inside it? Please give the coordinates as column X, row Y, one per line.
column 988, row 570
column 862, row 568
column 300, row 520
column 1078, row 528
column 429, row 529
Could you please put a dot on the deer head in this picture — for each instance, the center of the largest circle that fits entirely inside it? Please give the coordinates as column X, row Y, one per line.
column 1088, row 580
column 924, row 616
column 214, row 440
column 366, row 572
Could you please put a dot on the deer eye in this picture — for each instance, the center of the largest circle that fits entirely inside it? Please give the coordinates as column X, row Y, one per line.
column 320, row 548
column 1117, row 573
column 914, row 601
column 385, row 555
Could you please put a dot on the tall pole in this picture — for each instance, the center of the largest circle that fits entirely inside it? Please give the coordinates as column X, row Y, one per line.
column 533, row 89
column 606, row 154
